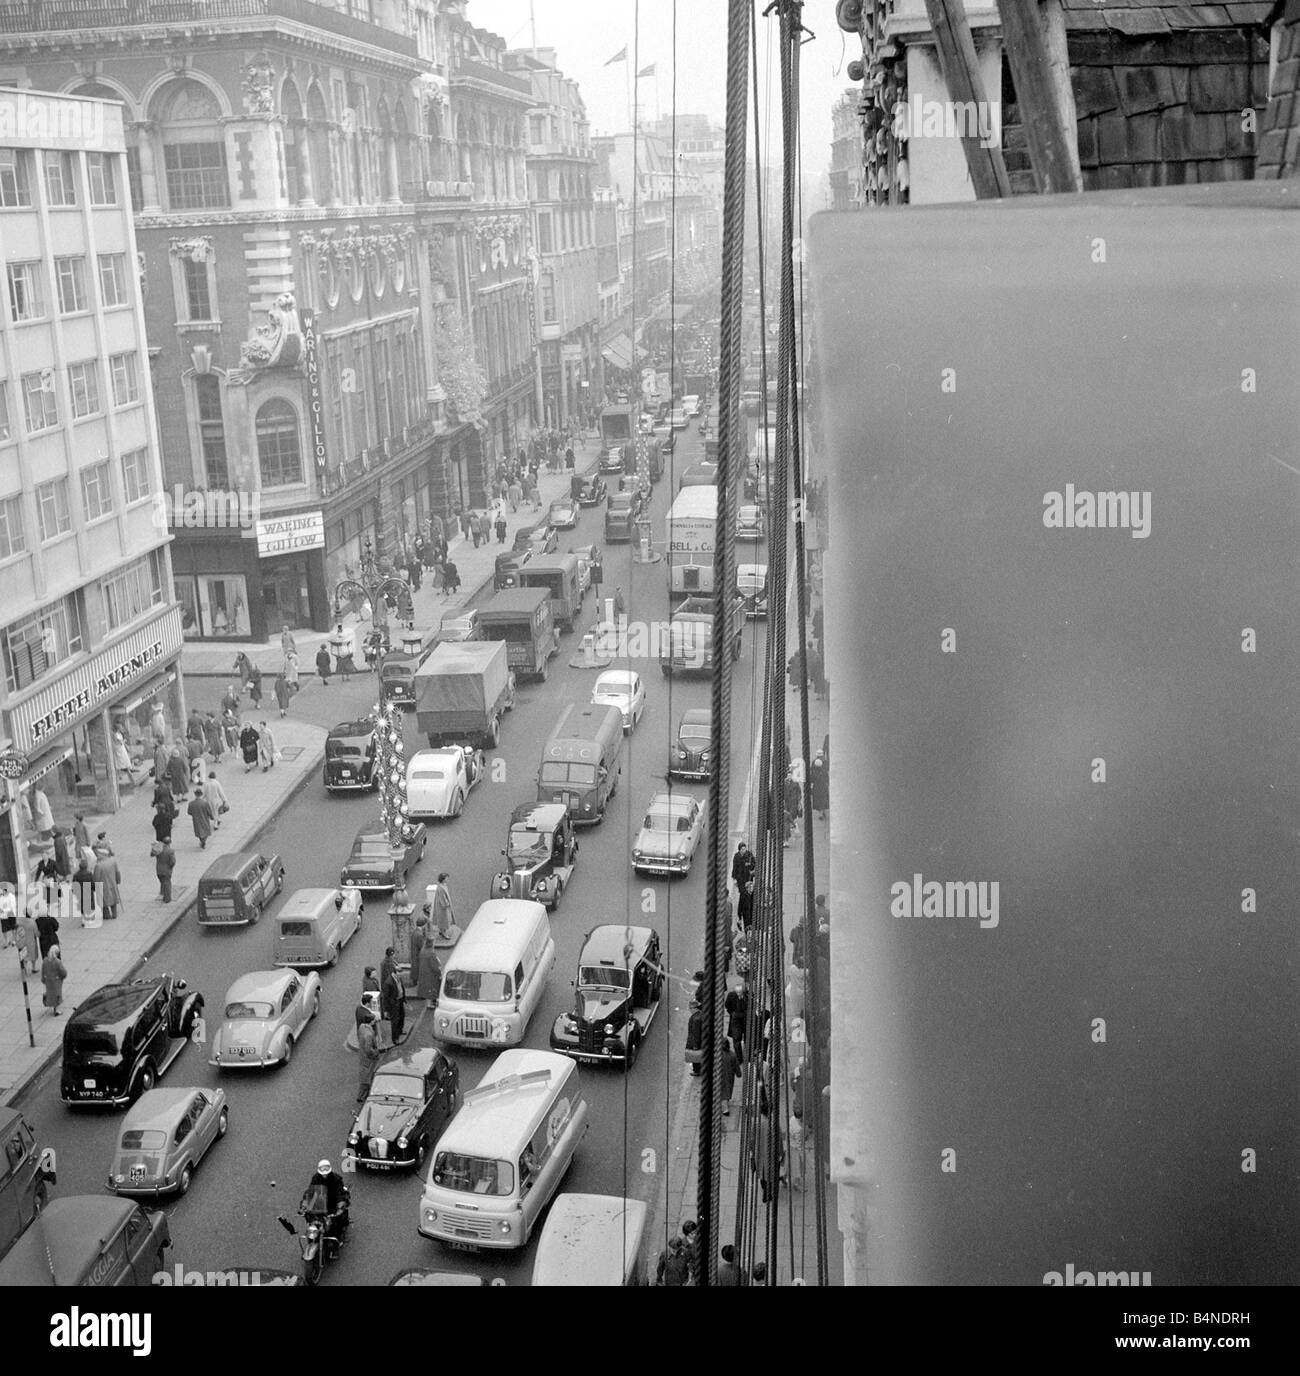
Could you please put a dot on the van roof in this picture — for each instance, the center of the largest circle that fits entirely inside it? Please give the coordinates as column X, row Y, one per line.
column 589, row 1239
column 516, row 600
column 68, row 1233
column 229, row 866
column 303, row 902
column 496, row 1125
column 498, row 921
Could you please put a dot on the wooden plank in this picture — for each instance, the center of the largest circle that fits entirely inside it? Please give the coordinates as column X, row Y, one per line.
column 1034, row 38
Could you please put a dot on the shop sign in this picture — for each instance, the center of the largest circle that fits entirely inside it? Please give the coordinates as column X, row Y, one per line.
column 13, row 764
column 311, row 365
column 290, row 534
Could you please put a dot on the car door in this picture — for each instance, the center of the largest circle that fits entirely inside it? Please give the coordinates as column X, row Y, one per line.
column 292, row 1012
column 205, row 1123
column 182, row 1148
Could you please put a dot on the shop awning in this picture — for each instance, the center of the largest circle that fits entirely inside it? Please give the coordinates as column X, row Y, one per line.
column 151, row 691
column 618, row 351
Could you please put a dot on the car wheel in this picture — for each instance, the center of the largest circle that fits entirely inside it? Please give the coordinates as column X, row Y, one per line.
column 146, row 1080
column 633, row 1045
column 40, row 1198
column 421, row 1151
column 223, row 1123
column 315, row 1005
column 183, row 1184
column 460, row 805
column 333, row 957
column 279, row 882
column 494, row 732
column 253, row 914
column 288, row 1052
column 423, row 846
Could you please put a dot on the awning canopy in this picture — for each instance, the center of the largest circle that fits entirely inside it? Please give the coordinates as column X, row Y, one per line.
column 618, row 351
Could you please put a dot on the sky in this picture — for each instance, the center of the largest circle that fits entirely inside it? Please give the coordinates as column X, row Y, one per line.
column 586, row 33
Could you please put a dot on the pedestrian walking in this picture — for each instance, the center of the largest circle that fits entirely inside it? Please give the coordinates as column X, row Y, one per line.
column 475, row 529
column 216, row 796
column 516, row 495
column 214, row 737
column 393, row 1002
column 695, row 1039
column 198, row 771
column 249, row 745
column 430, row 976
column 164, row 863
column 570, row 462
column 291, row 671
column 202, row 816
column 743, row 865
column 819, row 786
column 282, row 693
column 501, row 530
column 8, row 917
column 178, row 773
column 673, row 1268
column 53, row 973
column 736, row 1008
column 368, row 1050
column 266, row 748
column 730, row 1069
column 157, row 722
column 767, row 1143
column 255, row 687
column 450, row 577
column 323, row 665
column 160, row 757
column 29, row 940
column 164, row 818
column 194, row 727
column 728, row 1272
column 798, row 1149
column 62, row 859
column 288, row 645
column 230, row 729
column 107, row 876
column 230, row 701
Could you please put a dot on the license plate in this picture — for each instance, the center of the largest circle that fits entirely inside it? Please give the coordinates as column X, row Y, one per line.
column 137, row 1174
column 244, row 1050
column 458, row 1246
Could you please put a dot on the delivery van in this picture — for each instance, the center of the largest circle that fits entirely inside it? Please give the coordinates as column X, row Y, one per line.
column 496, row 974
column 235, row 888
column 89, row 1239
column 582, row 760
column 504, row 1154
column 314, row 925
column 592, row 1239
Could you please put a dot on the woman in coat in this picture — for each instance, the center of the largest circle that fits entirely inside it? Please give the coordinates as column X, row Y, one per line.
column 323, row 664
column 162, row 821
column 53, row 973
column 178, row 773
column 282, row 693
column 249, row 745
column 368, row 1050
column 730, row 1069
column 29, row 941
column 819, row 785
column 266, row 747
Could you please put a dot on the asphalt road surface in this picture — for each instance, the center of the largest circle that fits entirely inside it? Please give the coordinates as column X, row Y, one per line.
column 283, row 1120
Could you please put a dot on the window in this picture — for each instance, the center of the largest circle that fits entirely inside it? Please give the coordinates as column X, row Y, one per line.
column 15, row 178
column 548, row 297
column 198, row 298
column 133, row 179
column 196, row 176
column 34, row 645
column 544, row 232
column 26, row 300
column 126, row 378
column 4, row 411
column 70, row 274
column 135, row 475
column 52, row 506
column 212, row 431
column 213, row 606
column 131, row 592
column 103, row 178
column 13, row 537
column 279, row 452
column 40, row 404
column 96, row 491
column 83, row 384
column 61, row 178
column 112, row 279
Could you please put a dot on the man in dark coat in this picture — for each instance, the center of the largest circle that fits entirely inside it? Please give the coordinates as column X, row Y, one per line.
column 83, row 887
column 202, row 816
column 163, row 865
column 107, row 877
column 62, row 860
column 47, row 931
column 323, row 664
column 819, row 785
column 213, row 737
column 392, row 999
column 501, row 530
column 249, row 744
column 163, row 819
column 743, row 865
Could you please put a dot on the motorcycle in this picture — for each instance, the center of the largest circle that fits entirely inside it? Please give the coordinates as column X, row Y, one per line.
column 317, row 1244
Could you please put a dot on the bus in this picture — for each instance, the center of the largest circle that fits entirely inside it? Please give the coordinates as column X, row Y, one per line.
column 692, row 525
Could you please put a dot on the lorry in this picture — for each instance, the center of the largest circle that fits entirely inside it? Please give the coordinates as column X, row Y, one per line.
column 689, row 643
column 617, row 432
column 521, row 617
column 462, row 691
column 581, row 761
column 559, row 575
column 692, row 539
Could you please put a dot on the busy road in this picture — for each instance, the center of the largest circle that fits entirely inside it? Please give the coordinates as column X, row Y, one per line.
column 283, row 1120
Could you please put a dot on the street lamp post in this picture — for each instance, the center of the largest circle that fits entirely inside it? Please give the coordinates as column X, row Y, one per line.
column 375, row 586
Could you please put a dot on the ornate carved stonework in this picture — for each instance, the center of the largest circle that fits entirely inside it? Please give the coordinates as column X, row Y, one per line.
column 278, row 343
column 334, row 251
column 198, row 249
column 257, row 83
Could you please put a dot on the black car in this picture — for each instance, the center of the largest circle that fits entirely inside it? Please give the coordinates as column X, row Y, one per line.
column 120, row 1040
column 616, row 996
column 375, row 864
column 505, row 573
column 690, row 755
column 413, row 1096
column 350, row 756
column 541, row 850
column 589, row 489
column 613, row 458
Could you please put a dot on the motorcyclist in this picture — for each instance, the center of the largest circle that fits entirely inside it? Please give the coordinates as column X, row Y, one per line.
column 337, row 1197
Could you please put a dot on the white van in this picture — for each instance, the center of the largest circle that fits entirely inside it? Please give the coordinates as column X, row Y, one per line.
column 592, row 1239
column 496, row 975
column 502, row 1157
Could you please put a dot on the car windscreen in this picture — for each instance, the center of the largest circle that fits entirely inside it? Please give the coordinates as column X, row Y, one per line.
column 695, row 731
column 397, row 1086
column 528, row 842
column 557, row 772
column 473, row 1174
column 476, row 986
column 84, row 1042
column 608, row 976
column 659, row 821
column 143, row 1139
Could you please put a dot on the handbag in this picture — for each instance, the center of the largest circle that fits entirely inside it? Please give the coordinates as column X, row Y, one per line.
column 694, row 1057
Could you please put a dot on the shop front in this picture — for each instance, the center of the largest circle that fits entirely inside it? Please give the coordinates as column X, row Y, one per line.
column 84, row 740
column 291, row 565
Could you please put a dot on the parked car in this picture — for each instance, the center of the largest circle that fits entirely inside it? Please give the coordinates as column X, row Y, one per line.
column 750, row 523
column 621, row 688
column 543, row 540
column 592, row 489
column 164, row 1137
column 439, row 781
column 677, row 418
column 689, row 757
column 563, row 514
column 460, row 625
column 26, row 1175
column 616, row 996
column 374, row 864
column 350, row 756
column 413, row 1096
column 265, row 1014
column 586, row 557
column 668, row 444
column 124, row 1036
column 669, row 835
column 692, row 405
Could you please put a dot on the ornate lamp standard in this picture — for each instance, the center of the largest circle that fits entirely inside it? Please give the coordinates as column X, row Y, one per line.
column 375, row 585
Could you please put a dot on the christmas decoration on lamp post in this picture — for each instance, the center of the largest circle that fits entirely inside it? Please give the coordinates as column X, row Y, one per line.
column 394, row 814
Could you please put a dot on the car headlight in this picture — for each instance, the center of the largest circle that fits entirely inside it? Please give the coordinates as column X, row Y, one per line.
column 402, row 1143
column 504, row 1226
column 570, row 1023
column 354, row 1139
column 609, row 1029
column 431, row 1216
column 443, row 1024
column 681, row 754
column 119, row 1178
column 504, row 883
column 704, row 754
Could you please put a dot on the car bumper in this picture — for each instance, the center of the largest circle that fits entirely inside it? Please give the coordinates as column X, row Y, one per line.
column 380, row 1163
column 223, row 1062
column 697, row 772
column 661, row 865
column 95, row 1099
column 142, row 1191
column 615, row 1053
column 368, row 885
column 348, row 786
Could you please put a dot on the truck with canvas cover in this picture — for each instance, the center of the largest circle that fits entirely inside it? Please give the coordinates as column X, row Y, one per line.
column 462, row 691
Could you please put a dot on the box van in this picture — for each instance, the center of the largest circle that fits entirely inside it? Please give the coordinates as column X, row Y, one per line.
column 582, row 760
column 236, row 887
column 592, row 1239
column 89, row 1239
column 314, row 925
column 25, row 1176
column 504, row 1154
column 496, row 976
column 558, row 574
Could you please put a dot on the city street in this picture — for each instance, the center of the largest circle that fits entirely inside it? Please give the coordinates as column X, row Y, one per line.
column 282, row 1121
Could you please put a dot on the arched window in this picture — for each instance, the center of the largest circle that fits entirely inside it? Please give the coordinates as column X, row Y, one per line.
column 318, row 139
column 291, row 109
column 194, row 147
column 279, row 449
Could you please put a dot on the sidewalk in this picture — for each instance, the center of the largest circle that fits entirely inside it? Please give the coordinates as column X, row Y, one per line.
column 204, row 659
column 112, row 951
column 678, row 1198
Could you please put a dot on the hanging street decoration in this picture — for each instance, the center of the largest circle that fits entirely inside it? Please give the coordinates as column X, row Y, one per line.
column 390, row 766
